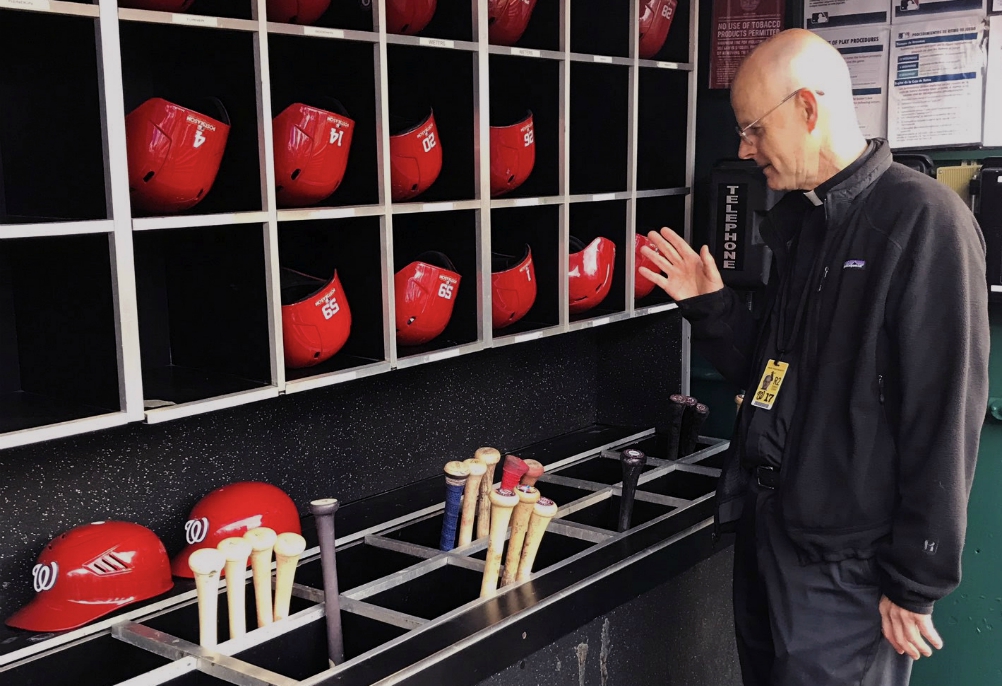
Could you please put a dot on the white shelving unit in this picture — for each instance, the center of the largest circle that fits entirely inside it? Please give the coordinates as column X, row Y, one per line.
column 161, row 294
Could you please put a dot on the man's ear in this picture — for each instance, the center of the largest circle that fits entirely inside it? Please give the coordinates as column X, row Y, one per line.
column 809, row 108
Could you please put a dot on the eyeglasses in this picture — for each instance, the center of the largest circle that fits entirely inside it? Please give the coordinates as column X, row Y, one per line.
column 743, row 132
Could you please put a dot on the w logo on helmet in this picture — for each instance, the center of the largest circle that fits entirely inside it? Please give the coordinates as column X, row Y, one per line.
column 45, row 576
column 195, row 530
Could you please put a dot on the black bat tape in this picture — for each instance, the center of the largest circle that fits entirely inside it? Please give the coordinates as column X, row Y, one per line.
column 323, row 517
column 633, row 462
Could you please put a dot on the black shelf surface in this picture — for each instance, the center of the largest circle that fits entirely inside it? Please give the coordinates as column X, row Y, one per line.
column 174, row 384
column 50, row 83
column 557, row 548
column 101, row 662
column 357, row 565
column 576, row 442
column 433, row 594
column 213, row 64
column 598, row 140
column 602, row 470
column 21, row 410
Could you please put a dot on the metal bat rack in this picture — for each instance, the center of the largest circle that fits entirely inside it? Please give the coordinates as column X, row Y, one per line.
column 408, row 609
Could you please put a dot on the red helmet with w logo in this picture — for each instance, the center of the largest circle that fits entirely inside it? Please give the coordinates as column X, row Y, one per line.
column 92, row 570
column 233, row 510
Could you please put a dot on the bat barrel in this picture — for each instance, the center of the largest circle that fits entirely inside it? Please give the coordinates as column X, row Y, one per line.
column 323, row 518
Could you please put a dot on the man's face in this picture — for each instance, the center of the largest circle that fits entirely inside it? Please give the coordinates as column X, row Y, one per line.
column 779, row 141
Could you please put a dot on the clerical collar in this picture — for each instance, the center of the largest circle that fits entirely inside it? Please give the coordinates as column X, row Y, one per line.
column 816, row 196
column 813, row 197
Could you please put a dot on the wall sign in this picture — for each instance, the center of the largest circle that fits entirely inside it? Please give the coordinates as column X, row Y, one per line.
column 738, row 27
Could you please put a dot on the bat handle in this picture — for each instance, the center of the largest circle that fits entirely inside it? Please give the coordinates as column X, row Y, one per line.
column 490, row 457
column 262, row 540
column 206, row 564
column 527, row 499
column 323, row 517
column 542, row 513
column 236, row 551
column 456, row 474
column 470, row 494
column 633, row 462
column 502, row 504
column 288, row 547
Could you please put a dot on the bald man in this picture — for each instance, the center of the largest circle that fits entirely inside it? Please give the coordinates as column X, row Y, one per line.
column 848, row 489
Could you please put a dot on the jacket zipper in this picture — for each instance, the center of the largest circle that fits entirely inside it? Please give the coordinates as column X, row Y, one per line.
column 880, row 388
column 823, row 277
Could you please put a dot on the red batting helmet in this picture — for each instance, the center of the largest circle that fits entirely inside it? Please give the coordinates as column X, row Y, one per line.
column 158, row 5
column 316, row 320
column 174, row 154
column 513, row 287
column 590, row 272
column 311, row 152
column 507, row 19
column 642, row 286
column 297, row 11
column 655, row 20
column 415, row 159
column 513, row 154
column 233, row 510
column 92, row 570
column 425, row 295
column 408, row 16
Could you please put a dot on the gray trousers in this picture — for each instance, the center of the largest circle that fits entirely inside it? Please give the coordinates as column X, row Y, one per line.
column 805, row 625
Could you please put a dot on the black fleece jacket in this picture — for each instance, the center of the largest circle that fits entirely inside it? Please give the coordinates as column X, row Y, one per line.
column 893, row 380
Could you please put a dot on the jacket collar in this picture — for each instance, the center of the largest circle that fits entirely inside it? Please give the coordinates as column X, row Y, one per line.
column 785, row 217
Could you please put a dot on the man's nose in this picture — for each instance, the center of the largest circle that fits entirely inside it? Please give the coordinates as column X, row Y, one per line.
column 746, row 150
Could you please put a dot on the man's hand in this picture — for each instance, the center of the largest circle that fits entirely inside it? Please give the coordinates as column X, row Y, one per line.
column 686, row 273
column 905, row 630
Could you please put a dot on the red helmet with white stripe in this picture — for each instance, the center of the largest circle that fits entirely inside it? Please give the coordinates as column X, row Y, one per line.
column 311, row 152
column 408, row 16
column 316, row 320
column 590, row 272
column 655, row 20
column 174, row 154
column 513, row 155
column 93, row 570
column 513, row 287
column 415, row 159
column 233, row 510
column 426, row 292
column 642, row 286
column 507, row 20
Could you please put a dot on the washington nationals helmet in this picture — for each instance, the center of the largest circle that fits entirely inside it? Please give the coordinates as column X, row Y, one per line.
column 233, row 510
column 415, row 159
column 311, row 152
column 513, row 155
column 655, row 20
column 316, row 319
column 425, row 295
column 174, row 153
column 507, row 19
column 590, row 272
column 158, row 5
column 513, row 287
column 408, row 16
column 297, row 11
column 93, row 570
column 642, row 286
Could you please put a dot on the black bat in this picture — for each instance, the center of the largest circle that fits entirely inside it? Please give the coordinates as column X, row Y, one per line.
column 633, row 462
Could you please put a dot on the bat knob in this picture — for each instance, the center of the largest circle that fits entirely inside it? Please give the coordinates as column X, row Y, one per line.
column 535, row 471
column 206, row 561
column 514, row 468
column 633, row 456
column 261, row 538
column 544, row 507
column 488, row 455
column 476, row 466
column 323, row 506
column 289, row 545
column 501, row 497
column 234, row 549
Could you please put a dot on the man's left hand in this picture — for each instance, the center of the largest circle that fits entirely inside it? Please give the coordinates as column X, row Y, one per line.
column 907, row 631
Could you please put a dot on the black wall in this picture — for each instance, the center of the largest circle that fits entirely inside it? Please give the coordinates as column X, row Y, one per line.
column 350, row 441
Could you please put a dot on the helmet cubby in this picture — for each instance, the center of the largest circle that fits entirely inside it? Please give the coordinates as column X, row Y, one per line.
column 597, row 260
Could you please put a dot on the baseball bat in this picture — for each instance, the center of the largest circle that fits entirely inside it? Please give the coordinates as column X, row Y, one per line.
column 502, row 504
column 491, row 457
column 323, row 517
column 456, row 474
column 288, row 547
column 528, row 496
column 236, row 551
column 535, row 471
column 633, row 462
column 542, row 513
column 206, row 564
column 676, row 408
column 262, row 540
column 512, row 472
column 470, row 494
column 692, row 422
